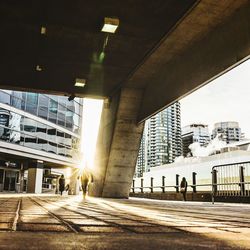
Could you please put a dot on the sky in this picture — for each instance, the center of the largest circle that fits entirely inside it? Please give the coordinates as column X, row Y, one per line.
column 227, row 98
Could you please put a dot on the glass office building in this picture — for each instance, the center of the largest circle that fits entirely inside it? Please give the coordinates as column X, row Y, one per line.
column 60, row 135
column 48, row 124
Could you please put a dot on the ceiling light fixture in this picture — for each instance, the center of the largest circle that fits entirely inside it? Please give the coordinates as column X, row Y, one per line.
column 80, row 82
column 43, row 30
column 110, row 25
column 38, row 68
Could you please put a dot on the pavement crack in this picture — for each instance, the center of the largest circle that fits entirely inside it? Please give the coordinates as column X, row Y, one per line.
column 14, row 225
column 57, row 217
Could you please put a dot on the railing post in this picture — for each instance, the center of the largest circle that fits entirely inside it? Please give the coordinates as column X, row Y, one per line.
column 133, row 186
column 242, row 180
column 194, row 182
column 141, row 185
column 151, row 184
column 214, row 184
column 177, row 183
column 163, row 184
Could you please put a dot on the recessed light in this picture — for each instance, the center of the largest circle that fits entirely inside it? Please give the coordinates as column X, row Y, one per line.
column 43, row 30
column 110, row 25
column 80, row 82
column 38, row 68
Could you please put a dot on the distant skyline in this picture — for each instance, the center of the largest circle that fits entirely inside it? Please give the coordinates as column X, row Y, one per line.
column 227, row 98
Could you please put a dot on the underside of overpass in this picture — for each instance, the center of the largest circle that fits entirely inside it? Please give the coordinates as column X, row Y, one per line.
column 162, row 51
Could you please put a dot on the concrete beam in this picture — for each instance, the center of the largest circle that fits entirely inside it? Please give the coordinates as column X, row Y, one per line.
column 118, row 145
column 211, row 39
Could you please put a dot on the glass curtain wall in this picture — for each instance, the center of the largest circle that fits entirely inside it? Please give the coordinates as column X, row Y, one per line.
column 56, row 109
column 22, row 130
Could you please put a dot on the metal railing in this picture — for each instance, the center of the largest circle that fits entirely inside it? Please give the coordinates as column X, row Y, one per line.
column 165, row 188
column 228, row 180
column 231, row 180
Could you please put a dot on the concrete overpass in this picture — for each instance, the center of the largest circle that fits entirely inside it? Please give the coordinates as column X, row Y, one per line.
column 162, row 51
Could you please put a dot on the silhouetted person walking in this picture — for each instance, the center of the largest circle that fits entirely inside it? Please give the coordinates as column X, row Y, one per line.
column 183, row 187
column 61, row 184
column 86, row 178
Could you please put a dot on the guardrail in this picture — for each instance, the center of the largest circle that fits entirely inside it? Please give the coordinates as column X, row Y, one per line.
column 164, row 187
column 231, row 180
column 228, row 180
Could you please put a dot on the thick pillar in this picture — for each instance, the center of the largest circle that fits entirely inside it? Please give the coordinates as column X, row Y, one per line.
column 118, row 145
column 35, row 177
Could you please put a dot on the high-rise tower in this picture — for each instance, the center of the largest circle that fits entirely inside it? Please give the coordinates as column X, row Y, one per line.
column 161, row 140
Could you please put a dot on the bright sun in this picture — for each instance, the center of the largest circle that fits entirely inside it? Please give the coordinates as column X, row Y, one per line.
column 92, row 110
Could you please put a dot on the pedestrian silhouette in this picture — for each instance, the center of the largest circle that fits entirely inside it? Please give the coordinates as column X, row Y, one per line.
column 86, row 178
column 183, row 187
column 61, row 184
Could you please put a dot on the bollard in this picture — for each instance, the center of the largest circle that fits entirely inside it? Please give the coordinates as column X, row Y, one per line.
column 141, row 185
column 194, row 182
column 163, row 184
column 177, row 183
column 151, row 185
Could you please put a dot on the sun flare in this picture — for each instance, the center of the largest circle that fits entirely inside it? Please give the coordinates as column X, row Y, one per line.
column 92, row 109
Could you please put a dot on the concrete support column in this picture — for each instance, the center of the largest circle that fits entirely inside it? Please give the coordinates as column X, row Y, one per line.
column 57, row 186
column 21, row 176
column 118, row 145
column 35, row 177
column 74, row 181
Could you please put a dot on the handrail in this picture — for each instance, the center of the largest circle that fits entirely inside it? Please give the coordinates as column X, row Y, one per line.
column 230, row 164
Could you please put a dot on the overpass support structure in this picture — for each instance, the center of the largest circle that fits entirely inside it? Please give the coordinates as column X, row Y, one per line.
column 211, row 39
column 173, row 48
column 118, row 144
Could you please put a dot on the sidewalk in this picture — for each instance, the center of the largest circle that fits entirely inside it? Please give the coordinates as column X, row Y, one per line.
column 68, row 222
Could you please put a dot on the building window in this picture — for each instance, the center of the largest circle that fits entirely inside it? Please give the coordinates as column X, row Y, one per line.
column 31, row 103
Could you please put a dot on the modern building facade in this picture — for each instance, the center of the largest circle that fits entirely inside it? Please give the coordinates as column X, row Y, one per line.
column 37, row 133
column 161, row 140
column 194, row 133
column 227, row 131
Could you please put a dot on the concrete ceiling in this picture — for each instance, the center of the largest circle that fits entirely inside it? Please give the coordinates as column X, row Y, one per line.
column 168, row 48
column 73, row 45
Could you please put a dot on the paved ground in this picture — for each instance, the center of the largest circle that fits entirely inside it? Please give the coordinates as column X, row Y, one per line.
column 68, row 222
